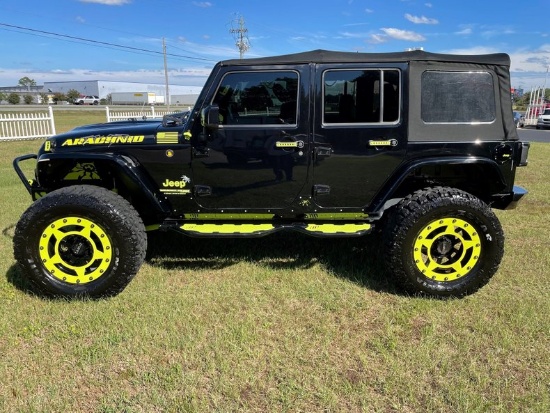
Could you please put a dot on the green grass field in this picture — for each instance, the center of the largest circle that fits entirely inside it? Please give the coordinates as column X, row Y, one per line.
column 283, row 323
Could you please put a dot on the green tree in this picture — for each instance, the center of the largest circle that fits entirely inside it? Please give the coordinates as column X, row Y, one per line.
column 27, row 99
column 58, row 97
column 27, row 82
column 3, row 96
column 14, row 98
column 72, row 95
column 44, row 98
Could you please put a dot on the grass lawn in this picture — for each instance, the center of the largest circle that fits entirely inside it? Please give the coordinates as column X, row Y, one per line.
column 282, row 323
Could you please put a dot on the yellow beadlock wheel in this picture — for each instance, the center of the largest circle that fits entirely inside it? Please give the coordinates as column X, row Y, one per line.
column 75, row 250
column 447, row 249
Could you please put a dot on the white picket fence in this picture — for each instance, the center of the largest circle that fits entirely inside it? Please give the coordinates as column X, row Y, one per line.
column 35, row 125
column 26, row 125
column 150, row 113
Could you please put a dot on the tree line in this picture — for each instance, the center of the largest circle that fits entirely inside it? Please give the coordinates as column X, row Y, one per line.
column 15, row 99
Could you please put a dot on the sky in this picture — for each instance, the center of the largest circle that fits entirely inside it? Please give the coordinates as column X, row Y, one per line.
column 122, row 40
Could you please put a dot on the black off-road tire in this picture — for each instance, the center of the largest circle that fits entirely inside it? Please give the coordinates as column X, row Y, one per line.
column 442, row 242
column 80, row 241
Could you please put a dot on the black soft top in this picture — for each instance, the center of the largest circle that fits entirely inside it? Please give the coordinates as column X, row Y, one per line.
column 418, row 60
column 327, row 56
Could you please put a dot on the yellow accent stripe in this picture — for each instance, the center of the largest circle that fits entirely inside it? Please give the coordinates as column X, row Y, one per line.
column 226, row 228
column 167, row 137
column 337, row 215
column 250, row 216
column 338, row 228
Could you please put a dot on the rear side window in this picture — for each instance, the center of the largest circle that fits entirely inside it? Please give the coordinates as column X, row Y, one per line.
column 457, row 97
column 361, row 96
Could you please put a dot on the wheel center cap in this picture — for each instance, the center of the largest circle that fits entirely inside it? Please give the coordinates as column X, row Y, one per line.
column 444, row 245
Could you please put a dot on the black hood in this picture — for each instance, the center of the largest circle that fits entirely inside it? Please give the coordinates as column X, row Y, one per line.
column 142, row 127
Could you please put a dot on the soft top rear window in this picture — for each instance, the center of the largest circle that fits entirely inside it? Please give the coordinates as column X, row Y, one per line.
column 457, row 97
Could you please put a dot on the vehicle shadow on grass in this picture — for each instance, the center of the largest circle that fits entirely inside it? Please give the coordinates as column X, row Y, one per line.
column 356, row 259
column 15, row 278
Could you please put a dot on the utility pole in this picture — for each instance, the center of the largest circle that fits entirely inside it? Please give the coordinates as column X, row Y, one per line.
column 545, row 80
column 167, row 97
column 241, row 38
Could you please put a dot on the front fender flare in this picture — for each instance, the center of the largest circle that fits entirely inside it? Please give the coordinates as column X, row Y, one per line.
column 125, row 169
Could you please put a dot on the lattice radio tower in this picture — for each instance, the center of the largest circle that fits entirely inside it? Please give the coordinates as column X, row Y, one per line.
column 241, row 37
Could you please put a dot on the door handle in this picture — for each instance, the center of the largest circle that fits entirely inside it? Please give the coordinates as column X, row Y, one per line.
column 201, row 152
column 289, row 144
column 325, row 151
column 382, row 143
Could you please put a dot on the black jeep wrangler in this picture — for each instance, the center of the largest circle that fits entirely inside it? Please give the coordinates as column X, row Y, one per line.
column 418, row 145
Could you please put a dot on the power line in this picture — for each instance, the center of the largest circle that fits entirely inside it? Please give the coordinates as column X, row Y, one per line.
column 67, row 40
column 97, row 42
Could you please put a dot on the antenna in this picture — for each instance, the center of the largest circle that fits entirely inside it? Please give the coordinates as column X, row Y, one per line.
column 241, row 37
column 167, row 99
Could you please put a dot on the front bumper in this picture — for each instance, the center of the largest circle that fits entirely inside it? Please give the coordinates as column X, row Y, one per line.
column 31, row 185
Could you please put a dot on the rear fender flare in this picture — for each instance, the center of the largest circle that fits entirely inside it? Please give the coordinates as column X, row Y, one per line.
column 387, row 193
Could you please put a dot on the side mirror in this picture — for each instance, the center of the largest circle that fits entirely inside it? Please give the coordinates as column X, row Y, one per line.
column 210, row 117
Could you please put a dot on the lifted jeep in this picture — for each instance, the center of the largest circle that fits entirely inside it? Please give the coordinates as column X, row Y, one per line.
column 331, row 144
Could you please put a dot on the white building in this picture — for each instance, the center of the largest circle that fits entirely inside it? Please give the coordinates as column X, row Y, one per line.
column 103, row 88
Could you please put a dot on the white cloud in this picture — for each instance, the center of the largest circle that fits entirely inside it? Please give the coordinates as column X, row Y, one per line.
column 399, row 34
column 352, row 35
column 497, row 32
column 472, row 50
column 465, row 31
column 420, row 20
column 203, row 4
column 377, row 39
column 537, row 60
column 429, row 5
column 528, row 66
column 369, row 11
column 389, row 33
column 108, row 2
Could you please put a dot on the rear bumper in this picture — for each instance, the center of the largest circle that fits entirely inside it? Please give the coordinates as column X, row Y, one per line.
column 522, row 159
column 509, row 201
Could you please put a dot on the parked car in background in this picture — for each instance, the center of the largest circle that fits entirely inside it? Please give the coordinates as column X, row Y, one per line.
column 519, row 119
column 87, row 100
column 543, row 121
